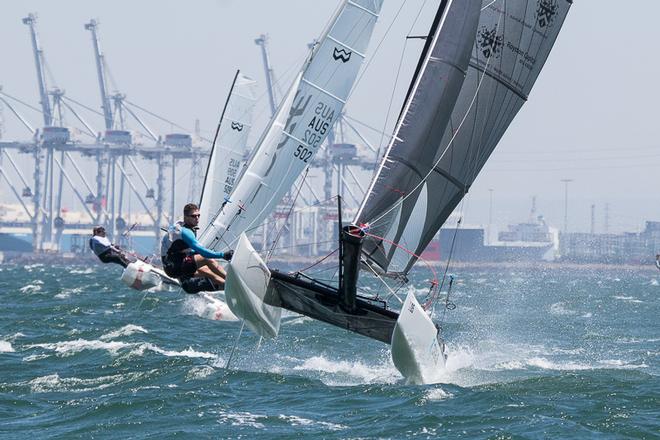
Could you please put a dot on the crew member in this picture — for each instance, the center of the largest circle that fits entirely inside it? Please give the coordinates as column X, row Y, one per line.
column 657, row 261
column 106, row 251
column 184, row 257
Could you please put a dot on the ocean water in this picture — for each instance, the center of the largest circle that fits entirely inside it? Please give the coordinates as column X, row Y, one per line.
column 533, row 354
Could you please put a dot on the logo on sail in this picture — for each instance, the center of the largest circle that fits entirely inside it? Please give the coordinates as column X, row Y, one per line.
column 341, row 54
column 546, row 12
column 237, row 126
column 489, row 43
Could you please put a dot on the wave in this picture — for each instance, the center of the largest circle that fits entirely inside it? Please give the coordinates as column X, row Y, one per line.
column 81, row 271
column 559, row 308
column 341, row 372
column 70, row 348
column 630, row 299
column 55, row 383
column 301, row 421
column 126, row 330
column 5, row 347
column 32, row 288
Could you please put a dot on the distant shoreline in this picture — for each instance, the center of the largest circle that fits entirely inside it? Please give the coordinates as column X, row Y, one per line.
column 299, row 262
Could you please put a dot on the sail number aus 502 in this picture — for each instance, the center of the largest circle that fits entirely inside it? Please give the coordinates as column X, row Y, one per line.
column 303, row 153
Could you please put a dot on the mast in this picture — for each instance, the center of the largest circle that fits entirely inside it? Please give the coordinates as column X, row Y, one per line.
column 100, row 70
column 215, row 138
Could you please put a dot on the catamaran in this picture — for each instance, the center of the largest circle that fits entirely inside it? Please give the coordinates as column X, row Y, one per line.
column 478, row 65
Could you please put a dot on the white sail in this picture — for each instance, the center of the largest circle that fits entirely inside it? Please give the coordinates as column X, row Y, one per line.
column 229, row 147
column 301, row 124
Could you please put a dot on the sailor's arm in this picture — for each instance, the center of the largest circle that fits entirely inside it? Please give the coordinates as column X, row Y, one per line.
column 189, row 238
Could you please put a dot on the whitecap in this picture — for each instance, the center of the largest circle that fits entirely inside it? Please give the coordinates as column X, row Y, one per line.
column 126, row 330
column 436, row 394
column 31, row 288
column 5, row 347
column 630, row 299
column 81, row 271
column 69, row 348
column 351, row 372
column 55, row 383
column 200, row 372
column 241, row 419
column 560, row 309
column 546, row 364
column 301, row 421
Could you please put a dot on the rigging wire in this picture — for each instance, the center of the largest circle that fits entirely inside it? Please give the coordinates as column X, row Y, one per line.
column 293, row 203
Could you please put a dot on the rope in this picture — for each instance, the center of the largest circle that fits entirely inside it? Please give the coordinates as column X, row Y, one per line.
column 317, row 262
column 434, row 282
column 392, row 292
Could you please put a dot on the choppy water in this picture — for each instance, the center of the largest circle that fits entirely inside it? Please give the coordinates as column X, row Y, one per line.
column 532, row 354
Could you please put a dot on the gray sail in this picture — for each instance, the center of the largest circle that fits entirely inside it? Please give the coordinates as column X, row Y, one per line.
column 425, row 173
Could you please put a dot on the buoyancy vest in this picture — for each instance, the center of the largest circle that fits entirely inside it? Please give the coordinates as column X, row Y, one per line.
column 99, row 244
column 172, row 245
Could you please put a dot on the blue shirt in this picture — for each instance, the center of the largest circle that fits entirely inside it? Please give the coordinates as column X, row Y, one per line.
column 188, row 237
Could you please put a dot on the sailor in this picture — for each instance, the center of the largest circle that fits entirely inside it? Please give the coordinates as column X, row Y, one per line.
column 657, row 261
column 185, row 258
column 106, row 251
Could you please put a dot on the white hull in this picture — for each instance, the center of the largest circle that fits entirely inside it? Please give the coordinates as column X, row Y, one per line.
column 246, row 287
column 216, row 309
column 142, row 276
column 416, row 351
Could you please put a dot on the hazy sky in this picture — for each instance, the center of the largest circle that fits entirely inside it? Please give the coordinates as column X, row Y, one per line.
column 591, row 116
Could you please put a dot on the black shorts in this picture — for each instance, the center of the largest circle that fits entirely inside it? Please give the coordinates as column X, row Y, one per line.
column 196, row 285
column 112, row 256
column 181, row 267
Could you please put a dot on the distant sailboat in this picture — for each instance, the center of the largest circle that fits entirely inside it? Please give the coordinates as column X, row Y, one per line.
column 229, row 147
column 476, row 70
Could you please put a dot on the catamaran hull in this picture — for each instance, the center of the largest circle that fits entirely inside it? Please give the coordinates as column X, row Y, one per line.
column 141, row 276
column 245, row 289
column 417, row 352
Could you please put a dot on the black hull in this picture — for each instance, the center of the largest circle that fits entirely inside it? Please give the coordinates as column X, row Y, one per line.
column 323, row 303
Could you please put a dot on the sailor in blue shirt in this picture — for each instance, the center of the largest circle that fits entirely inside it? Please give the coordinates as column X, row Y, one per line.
column 106, row 251
column 184, row 257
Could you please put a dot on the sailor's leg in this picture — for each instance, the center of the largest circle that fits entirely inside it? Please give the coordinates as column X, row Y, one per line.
column 208, row 273
column 212, row 265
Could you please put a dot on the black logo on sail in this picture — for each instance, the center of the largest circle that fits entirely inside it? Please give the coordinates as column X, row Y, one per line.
column 341, row 54
column 489, row 42
column 237, row 126
column 546, row 12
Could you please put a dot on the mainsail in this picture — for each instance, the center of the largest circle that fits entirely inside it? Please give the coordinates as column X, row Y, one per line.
column 301, row 124
column 430, row 164
column 229, row 147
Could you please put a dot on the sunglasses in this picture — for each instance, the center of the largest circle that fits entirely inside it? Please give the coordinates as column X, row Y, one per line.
column 193, row 215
